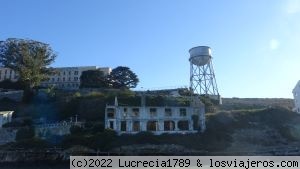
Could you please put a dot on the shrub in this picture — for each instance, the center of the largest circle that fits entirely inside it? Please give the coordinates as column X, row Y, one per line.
column 25, row 133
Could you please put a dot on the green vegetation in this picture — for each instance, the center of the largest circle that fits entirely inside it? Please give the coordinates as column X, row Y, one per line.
column 93, row 79
column 30, row 59
column 122, row 77
column 8, row 84
column 226, row 130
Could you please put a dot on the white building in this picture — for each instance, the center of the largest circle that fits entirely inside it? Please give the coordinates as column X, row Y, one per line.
column 69, row 77
column 64, row 78
column 159, row 120
column 7, row 73
column 296, row 93
column 5, row 117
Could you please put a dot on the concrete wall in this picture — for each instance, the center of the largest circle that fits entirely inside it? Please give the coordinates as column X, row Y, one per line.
column 60, row 129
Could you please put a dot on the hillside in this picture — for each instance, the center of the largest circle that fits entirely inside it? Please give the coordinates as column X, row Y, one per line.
column 240, row 125
column 255, row 103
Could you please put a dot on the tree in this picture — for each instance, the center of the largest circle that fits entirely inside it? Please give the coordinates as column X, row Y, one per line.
column 93, row 79
column 123, row 77
column 28, row 58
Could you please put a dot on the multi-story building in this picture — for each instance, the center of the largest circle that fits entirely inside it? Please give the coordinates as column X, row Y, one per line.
column 296, row 93
column 63, row 78
column 69, row 77
column 7, row 73
column 159, row 120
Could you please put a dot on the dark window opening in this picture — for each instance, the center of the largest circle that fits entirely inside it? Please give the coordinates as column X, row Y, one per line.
column 111, row 124
column 183, row 125
column 168, row 112
column 136, row 126
column 123, row 125
column 110, row 113
column 169, row 125
column 182, row 111
column 151, row 125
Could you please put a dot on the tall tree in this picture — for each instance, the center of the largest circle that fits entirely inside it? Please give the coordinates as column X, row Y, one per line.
column 93, row 79
column 123, row 77
column 29, row 58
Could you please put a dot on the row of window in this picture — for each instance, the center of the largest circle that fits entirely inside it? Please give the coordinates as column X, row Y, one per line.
column 153, row 125
column 69, row 72
column 152, row 112
column 64, row 79
column 68, row 85
column 5, row 71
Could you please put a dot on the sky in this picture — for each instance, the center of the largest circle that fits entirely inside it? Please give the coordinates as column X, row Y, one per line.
column 255, row 44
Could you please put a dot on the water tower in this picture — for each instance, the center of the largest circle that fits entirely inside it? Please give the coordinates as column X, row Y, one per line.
column 202, row 76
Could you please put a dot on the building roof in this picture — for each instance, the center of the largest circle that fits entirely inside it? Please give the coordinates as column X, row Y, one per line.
column 5, row 112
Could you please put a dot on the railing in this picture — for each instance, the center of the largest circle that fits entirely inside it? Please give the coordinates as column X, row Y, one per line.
column 59, row 124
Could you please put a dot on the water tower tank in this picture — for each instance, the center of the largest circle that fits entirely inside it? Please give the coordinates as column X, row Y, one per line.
column 200, row 55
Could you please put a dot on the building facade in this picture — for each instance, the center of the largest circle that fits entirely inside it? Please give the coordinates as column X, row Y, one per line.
column 159, row 120
column 296, row 94
column 64, row 77
column 8, row 74
column 5, row 117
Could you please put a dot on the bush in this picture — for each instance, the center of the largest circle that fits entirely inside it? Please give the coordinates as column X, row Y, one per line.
column 76, row 130
column 8, row 84
column 25, row 133
column 32, row 143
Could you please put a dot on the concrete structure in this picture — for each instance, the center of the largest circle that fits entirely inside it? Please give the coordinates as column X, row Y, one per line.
column 296, row 93
column 5, row 117
column 202, row 76
column 159, row 120
column 64, row 77
column 69, row 77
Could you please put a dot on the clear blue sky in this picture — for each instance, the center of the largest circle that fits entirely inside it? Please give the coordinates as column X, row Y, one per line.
column 255, row 43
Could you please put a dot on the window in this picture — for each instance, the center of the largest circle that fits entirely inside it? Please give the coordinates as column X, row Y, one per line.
column 153, row 112
column 169, row 125
column 136, row 126
column 76, row 73
column 75, row 78
column 183, row 125
column 110, row 113
column 168, row 112
column 63, row 79
column 64, row 73
column 123, row 125
column 111, row 124
column 69, row 79
column 182, row 111
column 135, row 112
column 151, row 125
column 58, row 79
column 69, row 72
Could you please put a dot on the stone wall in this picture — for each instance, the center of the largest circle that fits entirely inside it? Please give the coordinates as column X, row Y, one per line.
column 59, row 129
